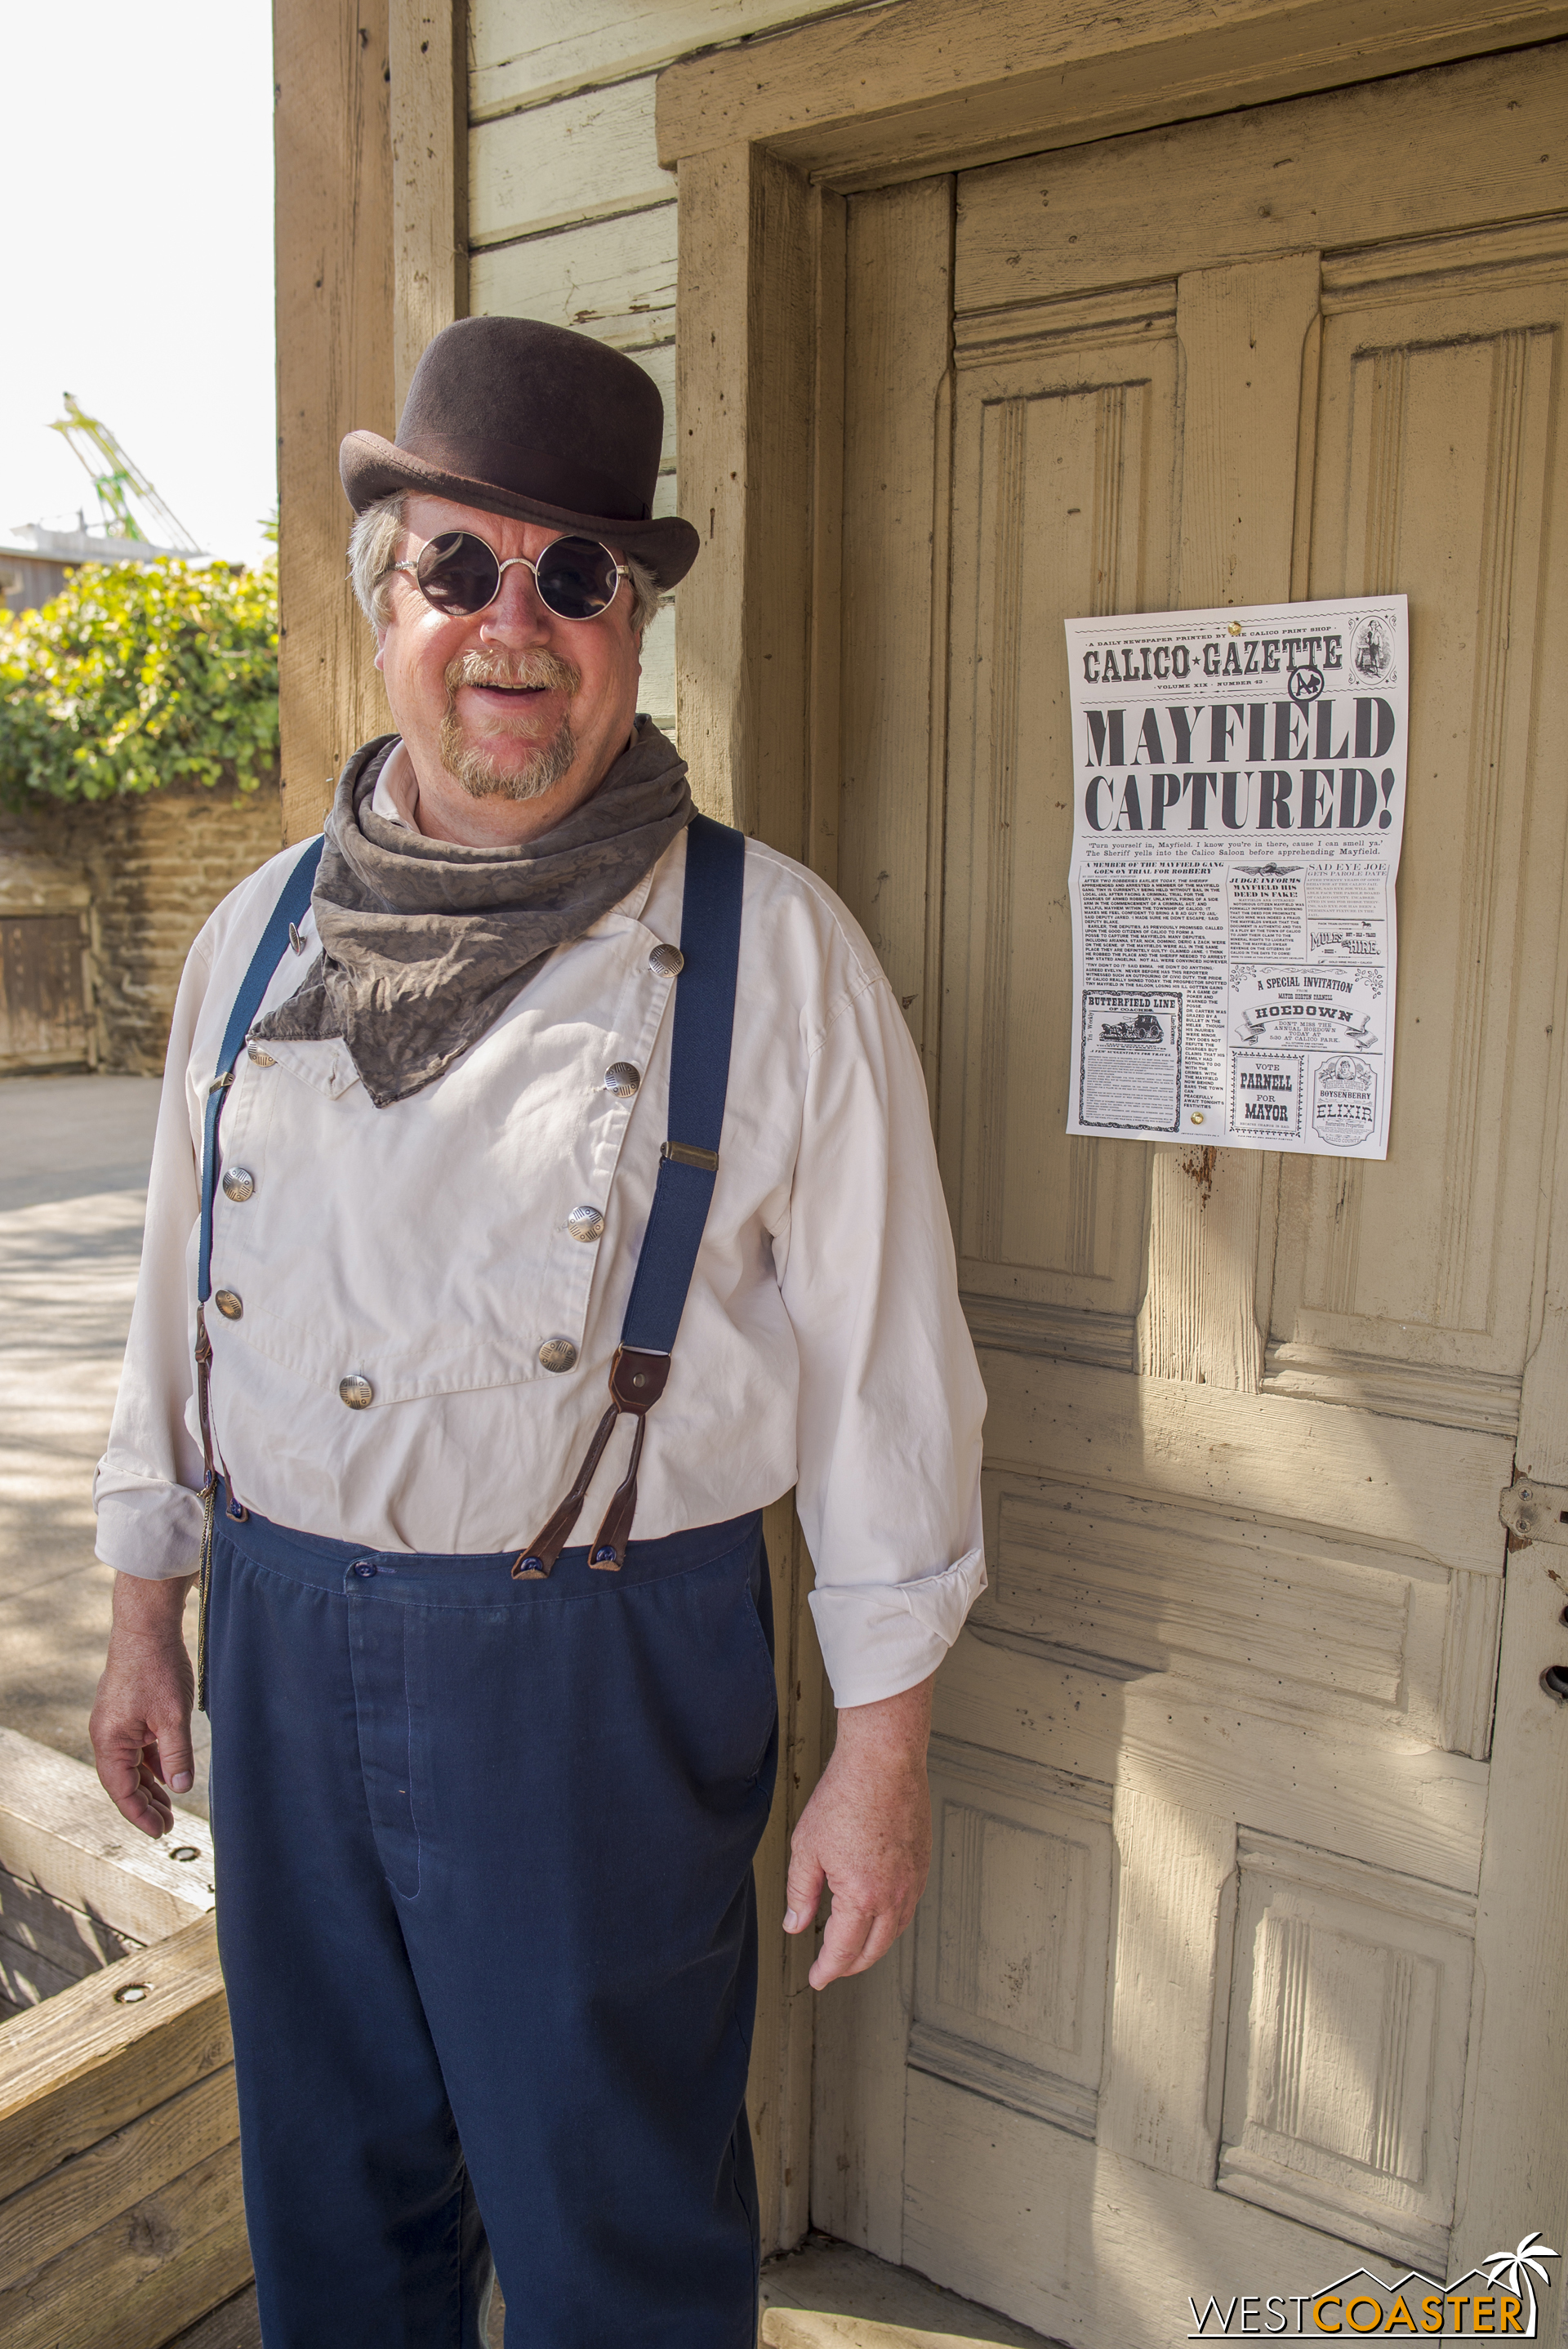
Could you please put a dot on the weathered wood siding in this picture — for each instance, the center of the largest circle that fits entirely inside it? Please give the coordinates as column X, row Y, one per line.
column 570, row 216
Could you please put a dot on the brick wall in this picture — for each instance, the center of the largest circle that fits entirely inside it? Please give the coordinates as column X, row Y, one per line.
column 155, row 867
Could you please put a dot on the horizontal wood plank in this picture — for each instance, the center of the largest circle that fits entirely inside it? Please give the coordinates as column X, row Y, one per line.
column 59, row 1829
column 82, row 2066
column 83, row 2194
column 582, row 159
column 153, row 2269
column 1431, row 1492
column 1271, row 183
column 932, row 85
column 1388, row 1799
column 1448, row 1398
column 523, row 55
column 103, row 1874
column 615, row 279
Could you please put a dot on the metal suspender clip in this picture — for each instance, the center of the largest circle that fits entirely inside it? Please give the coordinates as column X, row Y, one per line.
column 686, row 1153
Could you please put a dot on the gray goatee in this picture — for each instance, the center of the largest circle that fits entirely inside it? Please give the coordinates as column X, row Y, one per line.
column 473, row 764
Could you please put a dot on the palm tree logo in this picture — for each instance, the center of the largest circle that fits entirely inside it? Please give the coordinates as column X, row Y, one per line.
column 1515, row 2271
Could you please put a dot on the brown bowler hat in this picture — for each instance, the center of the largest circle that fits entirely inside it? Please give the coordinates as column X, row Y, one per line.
column 518, row 418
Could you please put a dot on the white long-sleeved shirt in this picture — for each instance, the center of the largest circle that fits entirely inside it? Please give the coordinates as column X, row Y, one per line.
column 425, row 1247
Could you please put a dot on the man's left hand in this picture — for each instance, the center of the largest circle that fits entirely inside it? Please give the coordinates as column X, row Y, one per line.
column 865, row 1834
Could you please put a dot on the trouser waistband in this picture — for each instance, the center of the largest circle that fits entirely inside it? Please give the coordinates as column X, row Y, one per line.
column 478, row 1577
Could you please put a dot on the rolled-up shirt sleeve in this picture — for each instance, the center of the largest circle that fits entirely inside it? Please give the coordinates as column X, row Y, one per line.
column 891, row 1399
column 147, row 1490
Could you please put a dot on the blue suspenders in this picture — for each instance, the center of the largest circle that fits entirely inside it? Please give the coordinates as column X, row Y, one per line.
column 284, row 916
column 288, row 911
column 689, row 1163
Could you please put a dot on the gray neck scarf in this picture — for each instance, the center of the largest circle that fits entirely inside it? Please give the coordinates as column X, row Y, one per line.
column 425, row 943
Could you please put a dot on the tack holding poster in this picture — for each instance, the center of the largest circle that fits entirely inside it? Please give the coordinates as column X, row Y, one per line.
column 1240, row 804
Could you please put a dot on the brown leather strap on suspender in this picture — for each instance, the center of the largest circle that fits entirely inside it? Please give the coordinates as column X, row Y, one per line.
column 636, row 1383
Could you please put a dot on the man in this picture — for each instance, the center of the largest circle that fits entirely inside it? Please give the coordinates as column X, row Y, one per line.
column 453, row 1133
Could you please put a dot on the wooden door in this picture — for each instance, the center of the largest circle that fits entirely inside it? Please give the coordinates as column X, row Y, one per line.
column 1237, row 1960
column 45, row 1019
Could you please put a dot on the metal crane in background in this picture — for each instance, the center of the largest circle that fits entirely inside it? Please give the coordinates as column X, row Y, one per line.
column 117, row 480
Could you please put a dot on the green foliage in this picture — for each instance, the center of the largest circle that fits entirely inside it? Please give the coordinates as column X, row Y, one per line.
column 139, row 675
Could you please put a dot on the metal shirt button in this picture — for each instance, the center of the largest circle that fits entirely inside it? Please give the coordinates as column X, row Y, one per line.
column 558, row 1354
column 239, row 1182
column 586, row 1223
column 356, row 1391
column 261, row 1057
column 667, row 962
column 622, row 1077
column 228, row 1304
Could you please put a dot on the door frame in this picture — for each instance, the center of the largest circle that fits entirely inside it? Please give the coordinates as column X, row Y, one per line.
column 767, row 138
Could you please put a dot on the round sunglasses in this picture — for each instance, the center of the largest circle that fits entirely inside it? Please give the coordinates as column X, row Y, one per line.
column 459, row 575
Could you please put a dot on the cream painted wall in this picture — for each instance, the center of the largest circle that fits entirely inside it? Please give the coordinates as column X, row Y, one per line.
column 570, row 216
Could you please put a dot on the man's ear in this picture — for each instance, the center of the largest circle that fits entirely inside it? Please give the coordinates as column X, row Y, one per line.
column 380, row 641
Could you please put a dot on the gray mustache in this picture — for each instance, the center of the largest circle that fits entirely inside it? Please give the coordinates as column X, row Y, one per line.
column 534, row 669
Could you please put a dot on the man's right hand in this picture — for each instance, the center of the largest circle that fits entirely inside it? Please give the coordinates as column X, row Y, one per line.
column 140, row 1726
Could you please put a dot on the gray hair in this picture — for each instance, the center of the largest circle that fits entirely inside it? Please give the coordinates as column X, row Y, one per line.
column 372, row 550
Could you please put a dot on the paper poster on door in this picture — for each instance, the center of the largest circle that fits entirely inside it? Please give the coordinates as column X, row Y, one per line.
column 1239, row 806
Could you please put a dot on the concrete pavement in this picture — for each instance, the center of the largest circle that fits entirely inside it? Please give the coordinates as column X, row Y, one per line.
column 74, row 1153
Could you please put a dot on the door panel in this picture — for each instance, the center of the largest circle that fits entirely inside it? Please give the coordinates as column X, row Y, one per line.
column 1010, row 1982
column 1344, row 2079
column 1065, row 429
column 1191, row 1992
column 1434, row 466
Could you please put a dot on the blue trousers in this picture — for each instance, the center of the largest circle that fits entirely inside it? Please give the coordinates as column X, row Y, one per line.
column 486, row 1919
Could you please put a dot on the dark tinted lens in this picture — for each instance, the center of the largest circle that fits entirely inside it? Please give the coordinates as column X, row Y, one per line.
column 577, row 577
column 457, row 572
